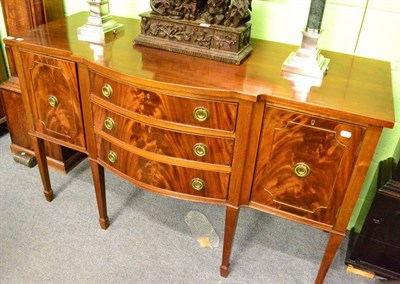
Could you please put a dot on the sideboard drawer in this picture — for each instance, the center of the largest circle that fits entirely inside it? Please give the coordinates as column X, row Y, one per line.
column 201, row 113
column 152, row 174
column 54, row 95
column 304, row 164
column 162, row 141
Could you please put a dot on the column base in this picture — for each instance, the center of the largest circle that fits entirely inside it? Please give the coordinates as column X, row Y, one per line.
column 307, row 61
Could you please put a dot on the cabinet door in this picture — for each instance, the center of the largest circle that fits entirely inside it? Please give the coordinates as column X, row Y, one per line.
column 53, row 92
column 304, row 164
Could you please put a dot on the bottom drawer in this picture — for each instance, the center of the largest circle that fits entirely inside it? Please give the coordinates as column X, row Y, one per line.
column 163, row 176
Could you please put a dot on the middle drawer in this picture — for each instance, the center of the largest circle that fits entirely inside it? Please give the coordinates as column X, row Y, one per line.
column 161, row 141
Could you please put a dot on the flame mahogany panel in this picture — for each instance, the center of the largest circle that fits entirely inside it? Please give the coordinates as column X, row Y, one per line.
column 164, row 176
column 166, row 107
column 288, row 138
column 163, row 141
column 64, row 121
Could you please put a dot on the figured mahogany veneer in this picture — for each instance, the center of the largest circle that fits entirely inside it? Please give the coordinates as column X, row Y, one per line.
column 327, row 147
column 161, row 176
column 63, row 120
column 139, row 112
column 161, row 106
column 162, row 141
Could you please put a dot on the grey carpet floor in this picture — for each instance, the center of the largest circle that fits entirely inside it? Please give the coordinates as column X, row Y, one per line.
column 148, row 240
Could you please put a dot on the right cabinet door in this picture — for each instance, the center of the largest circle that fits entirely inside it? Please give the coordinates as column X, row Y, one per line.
column 304, row 164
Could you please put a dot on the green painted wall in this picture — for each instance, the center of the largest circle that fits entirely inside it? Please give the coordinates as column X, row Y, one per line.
column 366, row 28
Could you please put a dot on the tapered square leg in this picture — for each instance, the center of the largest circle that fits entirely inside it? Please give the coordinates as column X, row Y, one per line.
column 331, row 248
column 230, row 228
column 40, row 153
column 99, row 186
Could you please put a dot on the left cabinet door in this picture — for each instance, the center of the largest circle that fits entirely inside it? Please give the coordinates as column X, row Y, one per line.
column 54, row 97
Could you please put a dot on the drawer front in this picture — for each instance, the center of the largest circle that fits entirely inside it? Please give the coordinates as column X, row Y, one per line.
column 164, row 176
column 201, row 113
column 162, row 141
column 53, row 90
column 304, row 164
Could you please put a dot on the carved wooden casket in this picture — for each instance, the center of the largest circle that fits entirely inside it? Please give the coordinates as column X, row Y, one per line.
column 214, row 29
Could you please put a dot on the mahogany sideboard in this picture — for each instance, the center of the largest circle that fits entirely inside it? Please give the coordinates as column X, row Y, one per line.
column 207, row 131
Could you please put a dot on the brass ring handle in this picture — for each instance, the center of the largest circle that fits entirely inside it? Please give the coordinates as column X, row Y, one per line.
column 112, row 157
column 198, row 184
column 107, row 91
column 109, row 123
column 201, row 114
column 301, row 169
column 53, row 101
column 200, row 150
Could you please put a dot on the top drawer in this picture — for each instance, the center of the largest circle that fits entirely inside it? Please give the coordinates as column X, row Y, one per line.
column 201, row 113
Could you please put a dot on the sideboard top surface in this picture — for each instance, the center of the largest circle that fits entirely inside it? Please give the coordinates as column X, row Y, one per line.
column 354, row 87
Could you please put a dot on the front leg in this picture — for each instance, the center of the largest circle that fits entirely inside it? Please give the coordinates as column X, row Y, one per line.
column 40, row 153
column 333, row 245
column 100, row 189
column 230, row 229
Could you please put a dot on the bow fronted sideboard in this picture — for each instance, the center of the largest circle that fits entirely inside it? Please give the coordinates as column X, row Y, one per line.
column 207, row 131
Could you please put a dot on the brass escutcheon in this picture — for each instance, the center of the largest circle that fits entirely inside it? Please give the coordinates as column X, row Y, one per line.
column 301, row 169
column 198, row 184
column 107, row 91
column 112, row 157
column 109, row 123
column 53, row 101
column 200, row 150
column 201, row 114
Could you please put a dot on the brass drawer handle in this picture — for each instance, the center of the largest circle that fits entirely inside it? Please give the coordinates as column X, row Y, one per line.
column 112, row 157
column 53, row 101
column 201, row 114
column 109, row 123
column 107, row 91
column 301, row 169
column 200, row 150
column 198, row 184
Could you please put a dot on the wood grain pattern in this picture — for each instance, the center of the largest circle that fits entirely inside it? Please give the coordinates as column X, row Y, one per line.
column 18, row 18
column 289, row 138
column 165, row 107
column 64, row 121
column 163, row 141
column 164, row 176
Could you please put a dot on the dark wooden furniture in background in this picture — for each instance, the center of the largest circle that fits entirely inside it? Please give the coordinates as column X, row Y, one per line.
column 207, row 131
column 377, row 246
column 20, row 16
